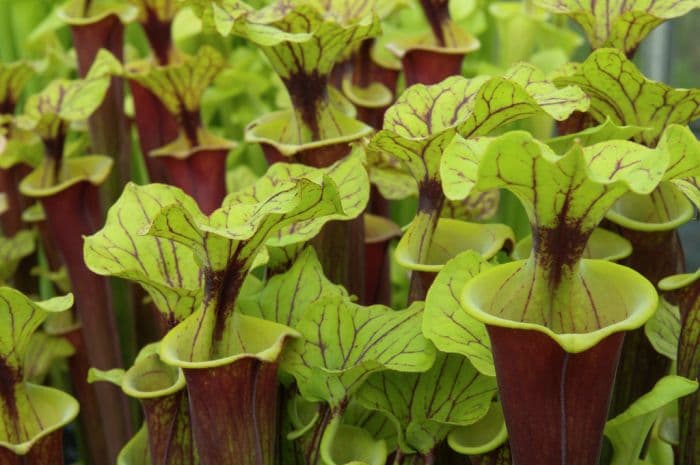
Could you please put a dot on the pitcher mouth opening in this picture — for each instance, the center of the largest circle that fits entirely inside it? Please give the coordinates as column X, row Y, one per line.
column 451, row 237
column 56, row 409
column 663, row 210
column 268, row 339
column 265, row 130
column 636, row 291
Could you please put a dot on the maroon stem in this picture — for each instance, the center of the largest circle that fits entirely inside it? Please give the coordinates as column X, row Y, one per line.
column 71, row 214
column 90, row 419
column 365, row 72
column 555, row 403
column 689, row 366
column 641, row 367
column 436, row 12
column 156, row 128
column 420, row 284
column 153, row 325
column 109, row 128
column 577, row 122
column 430, row 67
column 169, row 429
column 308, row 92
column 377, row 279
column 159, row 36
column 233, row 410
column 340, row 246
column 47, row 451
column 378, row 205
column 78, row 366
column 362, row 64
column 201, row 175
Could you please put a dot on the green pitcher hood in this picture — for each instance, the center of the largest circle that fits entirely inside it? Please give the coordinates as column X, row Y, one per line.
column 303, row 41
column 671, row 203
column 618, row 23
column 13, row 78
column 23, row 147
column 618, row 90
column 170, row 232
column 62, row 102
column 420, row 126
column 565, row 196
column 180, row 84
column 307, row 36
column 166, row 269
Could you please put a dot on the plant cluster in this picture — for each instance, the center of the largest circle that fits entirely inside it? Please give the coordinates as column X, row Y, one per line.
column 200, row 242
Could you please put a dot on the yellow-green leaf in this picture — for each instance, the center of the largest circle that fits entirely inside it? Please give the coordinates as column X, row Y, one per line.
column 343, row 343
column 619, row 23
column 620, row 92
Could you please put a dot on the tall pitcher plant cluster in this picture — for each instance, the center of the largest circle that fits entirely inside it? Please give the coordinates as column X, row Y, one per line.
column 282, row 316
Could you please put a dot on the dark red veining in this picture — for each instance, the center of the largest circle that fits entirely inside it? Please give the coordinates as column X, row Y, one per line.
column 156, row 128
